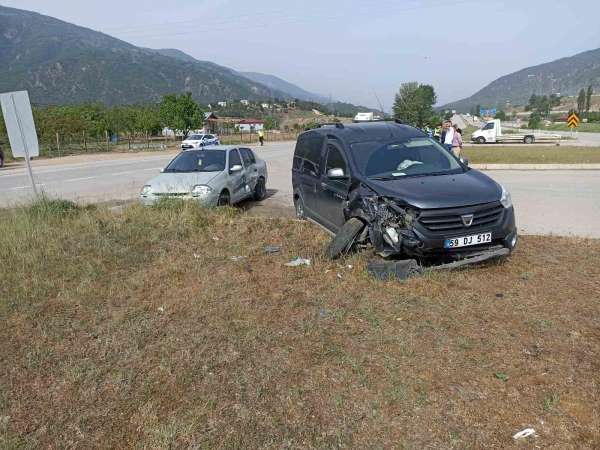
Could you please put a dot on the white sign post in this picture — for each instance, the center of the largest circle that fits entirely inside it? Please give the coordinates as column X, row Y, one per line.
column 20, row 127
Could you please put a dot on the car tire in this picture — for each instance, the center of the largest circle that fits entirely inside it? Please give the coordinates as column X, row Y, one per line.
column 299, row 205
column 343, row 241
column 224, row 199
column 529, row 140
column 260, row 190
column 480, row 140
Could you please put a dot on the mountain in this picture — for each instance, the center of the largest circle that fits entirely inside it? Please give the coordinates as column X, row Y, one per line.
column 174, row 53
column 59, row 63
column 565, row 76
column 278, row 84
column 271, row 81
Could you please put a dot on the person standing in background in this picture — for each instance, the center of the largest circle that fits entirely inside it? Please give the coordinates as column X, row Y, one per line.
column 457, row 142
column 261, row 137
column 447, row 136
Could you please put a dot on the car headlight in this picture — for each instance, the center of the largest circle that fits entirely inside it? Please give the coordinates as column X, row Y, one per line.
column 201, row 190
column 146, row 190
column 506, row 199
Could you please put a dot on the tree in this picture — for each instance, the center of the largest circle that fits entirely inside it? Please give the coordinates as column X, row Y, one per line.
column 501, row 115
column 271, row 123
column 180, row 113
column 414, row 103
column 581, row 100
column 588, row 100
column 535, row 121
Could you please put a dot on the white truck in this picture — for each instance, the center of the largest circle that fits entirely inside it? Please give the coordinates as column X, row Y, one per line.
column 491, row 132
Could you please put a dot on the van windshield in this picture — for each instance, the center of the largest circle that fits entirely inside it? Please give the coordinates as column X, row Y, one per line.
column 418, row 156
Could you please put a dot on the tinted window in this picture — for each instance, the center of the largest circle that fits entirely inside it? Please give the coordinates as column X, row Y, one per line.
column 310, row 168
column 234, row 159
column 489, row 126
column 247, row 156
column 209, row 136
column 335, row 159
column 200, row 161
column 297, row 163
column 308, row 149
column 195, row 137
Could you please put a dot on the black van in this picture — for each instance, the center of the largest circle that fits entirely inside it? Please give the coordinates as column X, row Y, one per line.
column 390, row 186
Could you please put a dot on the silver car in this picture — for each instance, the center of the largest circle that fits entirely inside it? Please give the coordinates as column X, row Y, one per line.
column 214, row 176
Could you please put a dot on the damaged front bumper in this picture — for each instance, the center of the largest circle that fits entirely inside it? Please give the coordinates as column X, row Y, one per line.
column 403, row 269
column 406, row 232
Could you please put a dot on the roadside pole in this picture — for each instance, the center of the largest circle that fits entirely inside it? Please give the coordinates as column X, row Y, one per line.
column 20, row 127
column 25, row 149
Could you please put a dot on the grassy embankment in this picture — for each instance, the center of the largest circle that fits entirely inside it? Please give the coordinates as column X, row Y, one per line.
column 531, row 154
column 583, row 127
column 140, row 330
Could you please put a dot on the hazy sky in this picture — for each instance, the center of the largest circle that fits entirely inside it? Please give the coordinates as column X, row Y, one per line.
column 351, row 49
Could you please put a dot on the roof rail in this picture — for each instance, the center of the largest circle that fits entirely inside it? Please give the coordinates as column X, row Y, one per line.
column 331, row 124
column 398, row 121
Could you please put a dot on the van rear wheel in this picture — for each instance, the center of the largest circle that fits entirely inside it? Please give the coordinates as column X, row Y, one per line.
column 529, row 139
column 480, row 140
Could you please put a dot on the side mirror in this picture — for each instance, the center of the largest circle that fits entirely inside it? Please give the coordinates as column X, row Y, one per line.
column 162, row 170
column 465, row 161
column 336, row 173
column 236, row 168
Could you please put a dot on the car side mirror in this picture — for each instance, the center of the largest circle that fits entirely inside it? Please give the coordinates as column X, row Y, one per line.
column 236, row 168
column 336, row 174
column 162, row 170
column 465, row 161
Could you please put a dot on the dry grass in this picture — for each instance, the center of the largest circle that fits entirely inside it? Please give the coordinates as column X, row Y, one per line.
column 531, row 154
column 139, row 330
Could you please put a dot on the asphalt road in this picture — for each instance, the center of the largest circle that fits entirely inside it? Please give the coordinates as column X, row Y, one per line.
column 564, row 203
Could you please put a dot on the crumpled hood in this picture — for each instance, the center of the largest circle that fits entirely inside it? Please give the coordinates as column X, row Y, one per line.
column 441, row 191
column 171, row 183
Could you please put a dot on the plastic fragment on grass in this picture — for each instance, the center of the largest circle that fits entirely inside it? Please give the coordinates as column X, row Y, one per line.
column 272, row 249
column 524, row 433
column 298, row 262
column 237, row 258
column 398, row 270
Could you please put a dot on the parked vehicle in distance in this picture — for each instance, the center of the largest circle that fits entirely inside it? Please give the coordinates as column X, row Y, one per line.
column 214, row 176
column 491, row 132
column 389, row 186
column 197, row 141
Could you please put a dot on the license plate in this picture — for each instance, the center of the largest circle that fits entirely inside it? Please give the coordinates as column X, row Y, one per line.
column 466, row 241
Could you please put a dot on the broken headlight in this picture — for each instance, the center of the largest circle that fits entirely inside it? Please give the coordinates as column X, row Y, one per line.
column 506, row 199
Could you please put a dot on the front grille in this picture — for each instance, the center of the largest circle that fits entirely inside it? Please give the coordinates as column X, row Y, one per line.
column 450, row 220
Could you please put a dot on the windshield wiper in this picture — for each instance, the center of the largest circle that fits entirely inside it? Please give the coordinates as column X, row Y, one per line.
column 385, row 178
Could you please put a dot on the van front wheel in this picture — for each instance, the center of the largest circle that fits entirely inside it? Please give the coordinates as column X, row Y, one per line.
column 345, row 239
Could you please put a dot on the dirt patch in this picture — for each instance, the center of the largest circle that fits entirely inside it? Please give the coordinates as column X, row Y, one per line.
column 171, row 327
